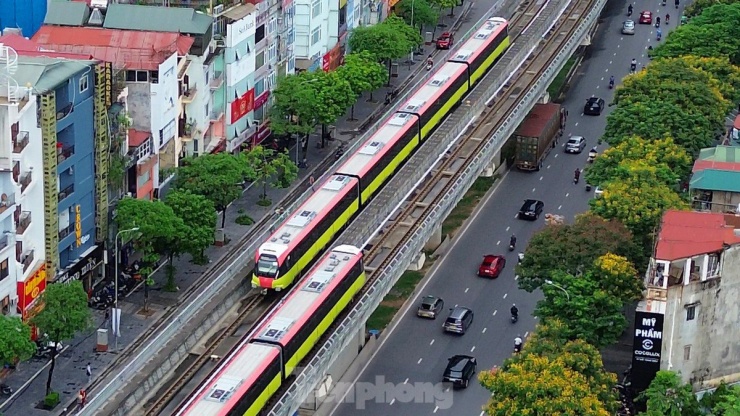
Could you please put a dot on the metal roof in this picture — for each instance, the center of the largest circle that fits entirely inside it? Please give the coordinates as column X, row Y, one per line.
column 45, row 74
column 123, row 48
column 67, row 13
column 27, row 47
column 685, row 234
column 537, row 120
column 239, row 12
column 716, row 180
column 157, row 19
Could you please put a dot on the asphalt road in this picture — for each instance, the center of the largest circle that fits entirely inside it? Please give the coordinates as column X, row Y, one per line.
column 403, row 376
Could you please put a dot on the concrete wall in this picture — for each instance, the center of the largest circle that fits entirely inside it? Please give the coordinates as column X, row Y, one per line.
column 710, row 340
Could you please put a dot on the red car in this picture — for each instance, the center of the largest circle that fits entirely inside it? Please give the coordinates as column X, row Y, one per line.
column 646, row 18
column 491, row 266
column 445, row 41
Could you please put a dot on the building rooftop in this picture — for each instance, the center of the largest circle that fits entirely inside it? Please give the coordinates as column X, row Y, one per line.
column 685, row 234
column 67, row 13
column 44, row 74
column 157, row 19
column 716, row 180
column 719, row 158
column 137, row 137
column 123, row 48
column 27, row 47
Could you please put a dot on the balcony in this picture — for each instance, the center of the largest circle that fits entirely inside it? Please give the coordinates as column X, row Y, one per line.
column 700, row 268
column 64, row 111
column 217, row 81
column 189, row 95
column 25, row 180
column 20, row 142
column 4, row 242
column 215, row 116
column 64, row 153
column 6, row 202
column 26, row 259
column 23, row 222
column 66, row 192
column 67, row 231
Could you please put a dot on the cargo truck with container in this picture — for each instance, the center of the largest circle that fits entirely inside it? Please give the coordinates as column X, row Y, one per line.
column 538, row 134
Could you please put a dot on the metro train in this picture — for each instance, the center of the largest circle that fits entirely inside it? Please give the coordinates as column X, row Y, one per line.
column 300, row 239
column 248, row 378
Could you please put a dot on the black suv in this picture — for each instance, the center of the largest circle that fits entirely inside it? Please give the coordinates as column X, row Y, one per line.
column 430, row 307
column 531, row 209
column 594, row 106
column 459, row 371
column 459, row 320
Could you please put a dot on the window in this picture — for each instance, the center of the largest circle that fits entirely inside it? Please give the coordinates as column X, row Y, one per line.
column 154, row 77
column 144, row 149
column 4, row 271
column 271, row 80
column 316, row 36
column 167, row 133
column 343, row 16
column 84, row 83
column 272, row 52
column 272, row 26
column 259, row 60
column 137, row 76
column 690, row 312
column 315, row 8
column 687, row 353
column 259, row 87
column 259, row 34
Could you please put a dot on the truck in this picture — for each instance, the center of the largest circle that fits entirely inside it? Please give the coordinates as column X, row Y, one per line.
column 538, row 134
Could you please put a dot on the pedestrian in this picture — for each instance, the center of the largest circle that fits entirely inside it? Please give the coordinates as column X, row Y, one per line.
column 311, row 181
column 82, row 398
column 88, row 371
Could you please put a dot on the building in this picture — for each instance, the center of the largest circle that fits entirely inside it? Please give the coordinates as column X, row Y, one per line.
column 147, row 63
column 715, row 177
column 311, row 33
column 26, row 15
column 690, row 311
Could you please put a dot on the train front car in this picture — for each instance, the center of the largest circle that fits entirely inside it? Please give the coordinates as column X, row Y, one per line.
column 293, row 247
column 246, row 381
column 481, row 51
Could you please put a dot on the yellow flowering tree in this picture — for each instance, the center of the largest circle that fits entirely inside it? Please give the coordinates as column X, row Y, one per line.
column 722, row 70
column 618, row 277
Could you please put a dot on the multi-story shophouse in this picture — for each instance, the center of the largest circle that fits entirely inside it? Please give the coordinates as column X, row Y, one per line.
column 311, row 33
column 147, row 61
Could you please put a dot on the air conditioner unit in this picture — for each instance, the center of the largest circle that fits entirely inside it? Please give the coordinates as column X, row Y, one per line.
column 218, row 9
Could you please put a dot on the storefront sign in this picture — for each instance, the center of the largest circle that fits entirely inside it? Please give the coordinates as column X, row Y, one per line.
column 78, row 225
column 108, row 83
column 646, row 351
column 241, row 30
column 261, row 100
column 242, row 106
column 30, row 290
column 238, row 70
column 326, row 62
column 85, row 265
column 262, row 134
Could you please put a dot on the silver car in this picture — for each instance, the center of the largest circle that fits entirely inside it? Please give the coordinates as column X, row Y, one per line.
column 628, row 27
column 575, row 144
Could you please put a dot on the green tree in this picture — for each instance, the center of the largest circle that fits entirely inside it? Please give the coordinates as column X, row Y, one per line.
column 363, row 73
column 727, row 74
column 671, row 161
column 713, row 33
column 723, row 401
column 696, row 7
column 268, row 164
column 413, row 39
column 573, row 248
column 418, row 13
column 667, row 396
column 539, row 385
column 160, row 232
column 383, row 41
column 443, row 4
column 15, row 340
column 637, row 200
column 65, row 313
column 218, row 177
column 199, row 217
column 589, row 312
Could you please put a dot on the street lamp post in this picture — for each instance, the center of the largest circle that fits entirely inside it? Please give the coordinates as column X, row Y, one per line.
column 116, row 328
column 551, row 283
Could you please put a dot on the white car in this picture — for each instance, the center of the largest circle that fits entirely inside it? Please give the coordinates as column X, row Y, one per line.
column 598, row 192
column 628, row 27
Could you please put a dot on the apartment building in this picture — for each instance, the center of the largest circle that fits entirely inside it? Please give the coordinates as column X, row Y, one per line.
column 688, row 320
column 714, row 181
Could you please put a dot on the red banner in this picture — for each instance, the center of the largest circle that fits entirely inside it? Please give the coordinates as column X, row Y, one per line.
column 261, row 100
column 242, row 105
column 30, row 290
column 326, row 62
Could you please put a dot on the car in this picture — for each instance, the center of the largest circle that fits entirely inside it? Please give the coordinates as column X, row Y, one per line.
column 459, row 370
column 646, row 17
column 575, row 144
column 459, row 320
column 491, row 266
column 430, row 307
column 598, row 192
column 445, row 41
column 594, row 106
column 531, row 209
column 628, row 27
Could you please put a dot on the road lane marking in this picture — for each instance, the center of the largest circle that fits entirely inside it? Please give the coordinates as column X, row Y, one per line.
column 505, row 295
column 526, row 334
column 499, row 243
column 559, row 207
column 392, row 401
column 432, row 342
column 435, row 409
column 466, row 289
column 406, row 381
column 484, row 330
column 494, row 312
column 472, row 349
column 568, row 194
column 576, row 125
column 419, row 362
column 482, row 413
column 533, row 189
column 548, row 166
column 507, row 228
column 542, row 177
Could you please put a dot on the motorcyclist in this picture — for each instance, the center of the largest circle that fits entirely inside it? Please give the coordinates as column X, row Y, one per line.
column 512, row 241
column 667, row 18
column 430, row 62
column 633, row 64
column 611, row 81
column 518, row 343
column 629, row 10
column 514, row 311
column 659, row 33
column 657, row 21
column 577, row 175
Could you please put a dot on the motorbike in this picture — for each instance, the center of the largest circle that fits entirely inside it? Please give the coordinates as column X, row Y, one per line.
column 633, row 67
column 517, row 348
column 588, row 187
column 430, row 64
column 629, row 13
column 514, row 318
column 658, row 36
column 512, row 247
column 591, row 156
column 521, row 258
column 611, row 84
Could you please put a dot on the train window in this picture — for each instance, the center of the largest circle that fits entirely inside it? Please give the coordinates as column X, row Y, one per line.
column 267, row 265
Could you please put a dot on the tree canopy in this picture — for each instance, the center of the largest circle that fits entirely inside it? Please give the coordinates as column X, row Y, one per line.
column 199, row 217
column 573, row 248
column 362, row 72
column 723, row 401
column 267, row 164
column 424, row 14
column 65, row 313
column 671, row 161
column 668, row 396
column 15, row 340
column 382, row 41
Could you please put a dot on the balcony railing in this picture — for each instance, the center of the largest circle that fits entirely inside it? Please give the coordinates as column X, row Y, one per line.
column 67, row 231
column 65, row 153
column 189, row 95
column 25, row 180
column 23, row 222
column 217, row 81
column 6, row 201
column 215, row 115
column 64, row 111
column 20, row 142
column 64, row 193
column 27, row 259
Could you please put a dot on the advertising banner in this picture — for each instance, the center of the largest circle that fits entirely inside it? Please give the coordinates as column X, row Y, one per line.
column 261, row 100
column 82, row 267
column 241, row 30
column 30, row 290
column 646, row 351
column 242, row 106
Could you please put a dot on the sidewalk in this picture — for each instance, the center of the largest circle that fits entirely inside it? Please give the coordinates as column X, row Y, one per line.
column 29, row 379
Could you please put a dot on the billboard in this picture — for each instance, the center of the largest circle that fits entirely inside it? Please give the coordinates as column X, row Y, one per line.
column 29, row 290
column 646, row 348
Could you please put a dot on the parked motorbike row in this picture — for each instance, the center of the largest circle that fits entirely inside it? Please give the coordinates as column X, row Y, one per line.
column 45, row 348
column 103, row 298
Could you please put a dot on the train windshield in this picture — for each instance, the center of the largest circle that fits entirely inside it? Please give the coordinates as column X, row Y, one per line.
column 267, row 266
